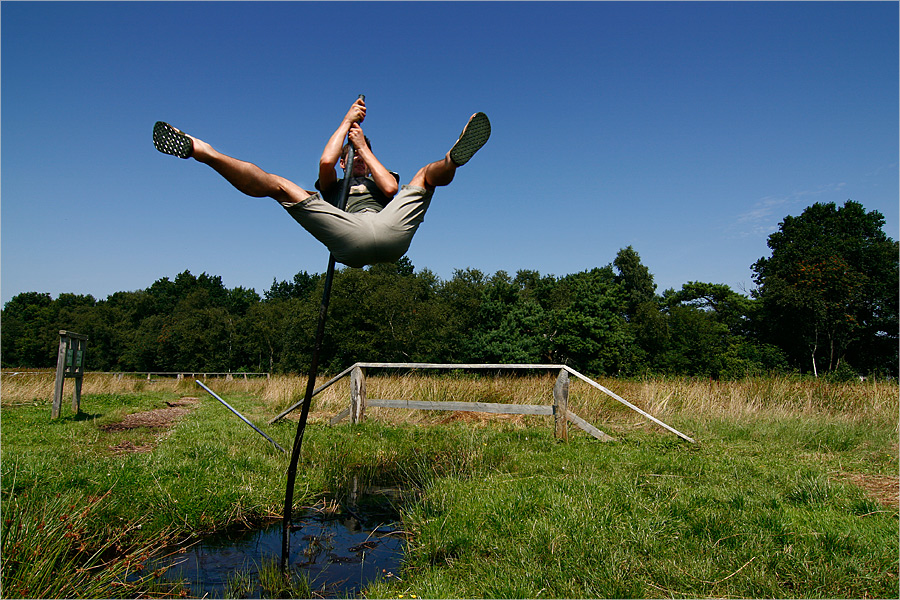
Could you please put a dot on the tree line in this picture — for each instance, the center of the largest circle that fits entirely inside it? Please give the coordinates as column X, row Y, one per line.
column 826, row 302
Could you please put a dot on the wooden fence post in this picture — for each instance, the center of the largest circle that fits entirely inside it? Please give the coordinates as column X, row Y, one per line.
column 561, row 405
column 357, row 395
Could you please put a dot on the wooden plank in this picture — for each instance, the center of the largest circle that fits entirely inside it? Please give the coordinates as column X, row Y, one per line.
column 60, row 376
column 321, row 388
column 588, row 427
column 627, row 403
column 455, row 366
column 488, row 407
column 73, row 335
column 340, row 416
column 76, row 393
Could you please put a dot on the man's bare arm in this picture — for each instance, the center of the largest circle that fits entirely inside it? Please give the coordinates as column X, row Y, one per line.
column 383, row 178
column 332, row 152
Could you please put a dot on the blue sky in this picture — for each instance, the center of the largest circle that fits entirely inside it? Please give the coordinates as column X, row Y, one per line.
column 685, row 130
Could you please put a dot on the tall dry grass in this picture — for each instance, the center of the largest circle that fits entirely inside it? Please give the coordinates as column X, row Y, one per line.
column 763, row 397
column 770, row 397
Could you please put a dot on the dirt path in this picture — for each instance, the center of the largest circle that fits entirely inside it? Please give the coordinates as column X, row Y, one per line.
column 160, row 418
column 884, row 489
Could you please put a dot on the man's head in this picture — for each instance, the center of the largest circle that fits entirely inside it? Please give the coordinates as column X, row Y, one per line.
column 360, row 168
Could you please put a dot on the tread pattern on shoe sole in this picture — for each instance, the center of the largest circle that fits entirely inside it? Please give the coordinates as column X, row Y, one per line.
column 169, row 140
column 474, row 136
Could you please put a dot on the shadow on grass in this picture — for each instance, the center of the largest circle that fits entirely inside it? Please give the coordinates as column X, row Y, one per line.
column 83, row 416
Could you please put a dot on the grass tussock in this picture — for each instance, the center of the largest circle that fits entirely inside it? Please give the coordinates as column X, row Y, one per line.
column 51, row 549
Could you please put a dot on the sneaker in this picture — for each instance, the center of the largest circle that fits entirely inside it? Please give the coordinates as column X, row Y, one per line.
column 474, row 135
column 169, row 140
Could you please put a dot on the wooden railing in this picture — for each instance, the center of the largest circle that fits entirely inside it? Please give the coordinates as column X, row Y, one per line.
column 559, row 409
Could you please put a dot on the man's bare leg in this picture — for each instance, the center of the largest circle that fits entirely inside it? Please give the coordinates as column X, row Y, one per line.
column 435, row 174
column 441, row 172
column 247, row 177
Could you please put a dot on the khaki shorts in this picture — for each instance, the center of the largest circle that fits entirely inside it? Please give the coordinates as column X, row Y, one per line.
column 367, row 237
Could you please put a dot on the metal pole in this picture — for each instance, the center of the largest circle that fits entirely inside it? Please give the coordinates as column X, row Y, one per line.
column 313, row 371
column 228, row 406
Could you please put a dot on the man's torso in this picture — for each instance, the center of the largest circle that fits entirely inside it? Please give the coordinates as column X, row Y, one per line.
column 364, row 194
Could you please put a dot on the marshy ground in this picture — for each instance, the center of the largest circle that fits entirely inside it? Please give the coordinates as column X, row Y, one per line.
column 790, row 491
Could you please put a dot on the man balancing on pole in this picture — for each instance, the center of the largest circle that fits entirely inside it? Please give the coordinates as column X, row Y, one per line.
column 378, row 222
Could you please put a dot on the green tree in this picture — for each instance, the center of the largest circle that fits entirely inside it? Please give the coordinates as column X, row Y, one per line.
column 299, row 332
column 636, row 280
column 200, row 336
column 384, row 313
column 131, row 344
column 458, row 305
column 828, row 293
column 104, row 326
column 143, row 349
column 731, row 309
column 510, row 321
column 695, row 344
column 705, row 332
column 589, row 327
column 645, row 324
column 30, row 333
column 302, row 286
column 264, row 328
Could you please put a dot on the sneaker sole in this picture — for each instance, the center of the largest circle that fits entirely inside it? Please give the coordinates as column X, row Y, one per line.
column 169, row 140
column 474, row 136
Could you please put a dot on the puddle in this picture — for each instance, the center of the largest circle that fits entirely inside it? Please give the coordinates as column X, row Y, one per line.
column 340, row 553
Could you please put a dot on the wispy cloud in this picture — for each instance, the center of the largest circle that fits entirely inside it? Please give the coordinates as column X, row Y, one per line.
column 883, row 169
column 766, row 213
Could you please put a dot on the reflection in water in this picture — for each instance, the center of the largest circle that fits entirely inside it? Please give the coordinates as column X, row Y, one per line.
column 339, row 553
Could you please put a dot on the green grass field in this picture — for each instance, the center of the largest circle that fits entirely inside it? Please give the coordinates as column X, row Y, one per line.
column 791, row 490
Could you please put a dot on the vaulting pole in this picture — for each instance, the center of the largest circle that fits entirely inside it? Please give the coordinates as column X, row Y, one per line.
column 313, row 371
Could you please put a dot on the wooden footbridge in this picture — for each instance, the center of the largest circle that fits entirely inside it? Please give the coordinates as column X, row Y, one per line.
column 559, row 409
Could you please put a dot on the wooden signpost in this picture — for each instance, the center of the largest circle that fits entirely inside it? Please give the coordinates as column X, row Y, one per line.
column 69, row 363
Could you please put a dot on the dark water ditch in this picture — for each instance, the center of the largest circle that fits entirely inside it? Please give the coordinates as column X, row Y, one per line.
column 338, row 548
